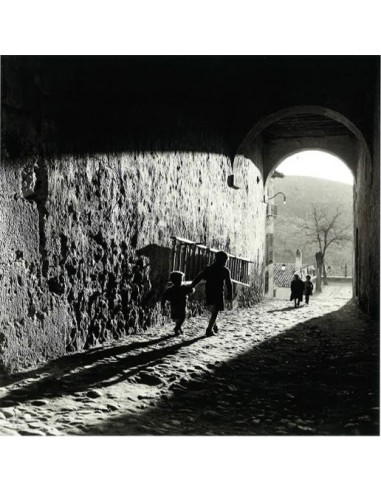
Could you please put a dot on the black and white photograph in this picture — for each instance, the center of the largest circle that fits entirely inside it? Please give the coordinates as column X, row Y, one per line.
column 190, row 246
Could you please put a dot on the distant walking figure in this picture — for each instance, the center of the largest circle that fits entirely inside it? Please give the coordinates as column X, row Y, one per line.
column 297, row 289
column 177, row 296
column 308, row 288
column 216, row 276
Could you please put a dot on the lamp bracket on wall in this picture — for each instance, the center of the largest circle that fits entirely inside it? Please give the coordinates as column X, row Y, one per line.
column 279, row 193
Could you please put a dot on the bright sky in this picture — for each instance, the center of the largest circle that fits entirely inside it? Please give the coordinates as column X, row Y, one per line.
column 317, row 164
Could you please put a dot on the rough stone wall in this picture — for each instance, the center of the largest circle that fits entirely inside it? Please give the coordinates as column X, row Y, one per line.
column 367, row 230
column 30, row 319
column 367, row 219
column 85, row 235
column 78, row 267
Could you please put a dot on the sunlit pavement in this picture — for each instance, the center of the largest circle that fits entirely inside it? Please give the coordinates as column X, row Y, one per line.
column 271, row 370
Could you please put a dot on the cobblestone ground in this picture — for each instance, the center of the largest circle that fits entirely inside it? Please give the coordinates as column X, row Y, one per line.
column 271, row 370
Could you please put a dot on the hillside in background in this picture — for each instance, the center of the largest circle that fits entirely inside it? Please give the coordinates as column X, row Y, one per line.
column 301, row 193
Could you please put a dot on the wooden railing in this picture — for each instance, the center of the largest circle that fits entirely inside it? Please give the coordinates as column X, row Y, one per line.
column 190, row 258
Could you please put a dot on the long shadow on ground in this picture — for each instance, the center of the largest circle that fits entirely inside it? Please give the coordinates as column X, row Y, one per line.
column 79, row 359
column 288, row 308
column 105, row 373
column 319, row 378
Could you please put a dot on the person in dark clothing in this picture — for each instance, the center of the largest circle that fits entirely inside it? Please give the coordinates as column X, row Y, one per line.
column 297, row 289
column 308, row 288
column 177, row 296
column 216, row 275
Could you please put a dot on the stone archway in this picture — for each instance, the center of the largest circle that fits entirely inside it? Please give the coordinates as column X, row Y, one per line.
column 304, row 127
column 297, row 128
column 313, row 198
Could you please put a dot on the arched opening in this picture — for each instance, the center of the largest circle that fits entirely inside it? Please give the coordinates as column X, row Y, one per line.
column 299, row 128
column 312, row 233
column 316, row 163
column 309, row 127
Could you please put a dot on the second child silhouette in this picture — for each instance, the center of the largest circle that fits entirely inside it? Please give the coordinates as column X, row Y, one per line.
column 177, row 296
column 308, row 288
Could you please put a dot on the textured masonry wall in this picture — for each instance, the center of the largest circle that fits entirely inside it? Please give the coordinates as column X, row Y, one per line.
column 86, row 242
column 31, row 329
column 367, row 222
column 84, row 235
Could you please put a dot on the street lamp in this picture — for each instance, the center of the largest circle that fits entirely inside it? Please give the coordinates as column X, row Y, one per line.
column 279, row 193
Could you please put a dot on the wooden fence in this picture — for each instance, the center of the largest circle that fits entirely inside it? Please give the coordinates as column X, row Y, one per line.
column 190, row 257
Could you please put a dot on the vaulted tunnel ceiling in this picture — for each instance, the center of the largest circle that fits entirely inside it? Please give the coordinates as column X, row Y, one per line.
column 305, row 125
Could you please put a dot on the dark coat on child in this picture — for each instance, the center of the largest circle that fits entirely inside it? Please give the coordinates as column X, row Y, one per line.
column 308, row 287
column 216, row 277
column 177, row 296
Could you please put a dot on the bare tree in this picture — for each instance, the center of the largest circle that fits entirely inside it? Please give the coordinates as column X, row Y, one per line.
column 324, row 227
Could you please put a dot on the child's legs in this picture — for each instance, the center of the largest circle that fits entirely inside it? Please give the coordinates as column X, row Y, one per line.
column 179, row 322
column 213, row 316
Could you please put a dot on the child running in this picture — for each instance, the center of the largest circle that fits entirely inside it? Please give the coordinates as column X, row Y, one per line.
column 216, row 276
column 177, row 296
